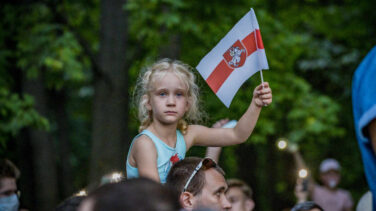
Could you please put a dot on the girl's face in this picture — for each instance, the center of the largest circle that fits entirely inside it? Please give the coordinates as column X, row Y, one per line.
column 168, row 100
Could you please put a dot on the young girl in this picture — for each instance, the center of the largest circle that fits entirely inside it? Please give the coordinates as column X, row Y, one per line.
column 168, row 97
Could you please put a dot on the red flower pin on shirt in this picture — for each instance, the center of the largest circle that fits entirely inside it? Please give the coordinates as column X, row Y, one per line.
column 174, row 158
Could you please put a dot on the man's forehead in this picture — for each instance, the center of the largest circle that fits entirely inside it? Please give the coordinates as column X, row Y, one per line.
column 331, row 172
column 8, row 183
column 214, row 180
column 234, row 190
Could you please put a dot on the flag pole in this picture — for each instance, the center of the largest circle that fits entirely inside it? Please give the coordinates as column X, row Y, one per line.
column 262, row 78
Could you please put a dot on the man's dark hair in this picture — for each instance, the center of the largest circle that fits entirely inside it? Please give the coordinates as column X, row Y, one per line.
column 135, row 194
column 8, row 170
column 182, row 170
column 306, row 206
column 70, row 204
column 246, row 190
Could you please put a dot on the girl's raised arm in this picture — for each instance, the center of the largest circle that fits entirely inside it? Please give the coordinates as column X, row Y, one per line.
column 203, row 136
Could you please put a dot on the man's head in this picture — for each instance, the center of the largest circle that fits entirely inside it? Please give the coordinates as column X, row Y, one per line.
column 330, row 173
column 240, row 195
column 135, row 194
column 8, row 187
column 307, row 206
column 70, row 204
column 200, row 182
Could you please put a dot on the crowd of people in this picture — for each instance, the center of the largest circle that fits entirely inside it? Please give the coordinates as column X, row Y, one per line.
column 160, row 177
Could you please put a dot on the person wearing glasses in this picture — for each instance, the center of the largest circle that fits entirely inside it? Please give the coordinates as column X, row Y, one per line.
column 200, row 184
column 9, row 173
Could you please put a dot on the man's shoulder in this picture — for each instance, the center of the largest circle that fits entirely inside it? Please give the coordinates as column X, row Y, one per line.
column 319, row 188
column 344, row 192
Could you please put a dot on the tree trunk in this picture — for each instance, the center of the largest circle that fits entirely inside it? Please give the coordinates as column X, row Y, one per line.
column 25, row 164
column 43, row 152
column 272, row 172
column 58, row 102
column 110, row 105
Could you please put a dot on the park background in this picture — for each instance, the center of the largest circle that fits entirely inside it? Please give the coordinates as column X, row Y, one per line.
column 68, row 70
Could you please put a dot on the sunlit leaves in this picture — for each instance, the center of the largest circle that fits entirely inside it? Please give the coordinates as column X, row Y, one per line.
column 51, row 49
column 17, row 113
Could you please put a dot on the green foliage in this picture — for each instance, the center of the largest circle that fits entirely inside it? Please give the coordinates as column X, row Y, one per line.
column 41, row 46
column 50, row 48
column 17, row 113
column 312, row 47
column 310, row 66
column 38, row 42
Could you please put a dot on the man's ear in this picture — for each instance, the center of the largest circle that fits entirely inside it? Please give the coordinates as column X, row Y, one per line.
column 249, row 204
column 187, row 200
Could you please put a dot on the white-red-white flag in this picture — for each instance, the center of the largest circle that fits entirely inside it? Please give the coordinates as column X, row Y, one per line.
column 238, row 56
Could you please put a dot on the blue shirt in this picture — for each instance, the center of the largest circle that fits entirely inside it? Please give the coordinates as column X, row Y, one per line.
column 364, row 108
column 167, row 155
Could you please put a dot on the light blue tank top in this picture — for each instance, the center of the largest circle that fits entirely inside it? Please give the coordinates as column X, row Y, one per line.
column 167, row 155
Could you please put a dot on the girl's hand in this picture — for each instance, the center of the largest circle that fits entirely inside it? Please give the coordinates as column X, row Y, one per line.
column 262, row 95
column 220, row 123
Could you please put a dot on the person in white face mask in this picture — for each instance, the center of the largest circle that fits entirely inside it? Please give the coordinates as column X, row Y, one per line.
column 8, row 187
column 329, row 196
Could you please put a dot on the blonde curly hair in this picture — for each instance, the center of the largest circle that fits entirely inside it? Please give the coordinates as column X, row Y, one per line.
column 157, row 71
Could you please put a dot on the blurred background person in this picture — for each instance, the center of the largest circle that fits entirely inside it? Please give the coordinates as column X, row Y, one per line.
column 9, row 194
column 364, row 109
column 140, row 194
column 9, row 173
column 328, row 195
column 70, row 204
column 307, row 206
column 239, row 195
column 73, row 202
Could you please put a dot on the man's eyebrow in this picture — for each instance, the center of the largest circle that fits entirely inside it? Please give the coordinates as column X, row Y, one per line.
column 220, row 189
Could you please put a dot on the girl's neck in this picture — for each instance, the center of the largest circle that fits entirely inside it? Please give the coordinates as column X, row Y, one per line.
column 167, row 133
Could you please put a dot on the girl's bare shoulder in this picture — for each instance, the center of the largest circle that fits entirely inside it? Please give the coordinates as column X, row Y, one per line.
column 142, row 148
column 143, row 142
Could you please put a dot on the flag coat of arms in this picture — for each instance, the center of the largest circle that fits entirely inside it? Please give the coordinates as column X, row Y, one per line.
column 238, row 56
